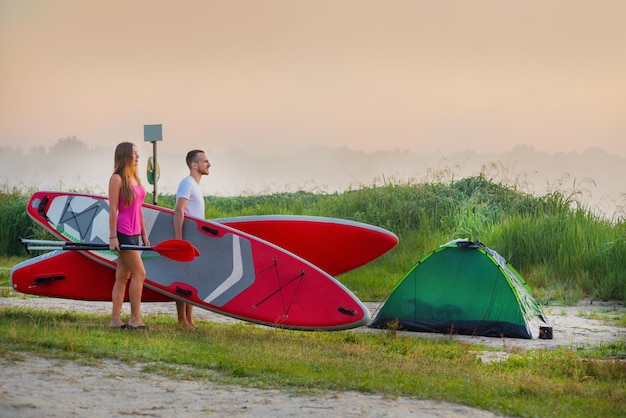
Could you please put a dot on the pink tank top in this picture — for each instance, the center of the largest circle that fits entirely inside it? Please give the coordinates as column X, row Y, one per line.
column 129, row 217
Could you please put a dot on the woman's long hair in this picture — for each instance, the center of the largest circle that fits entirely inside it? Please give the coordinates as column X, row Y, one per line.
column 125, row 167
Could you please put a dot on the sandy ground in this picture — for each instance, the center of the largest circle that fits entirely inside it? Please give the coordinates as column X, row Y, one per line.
column 55, row 388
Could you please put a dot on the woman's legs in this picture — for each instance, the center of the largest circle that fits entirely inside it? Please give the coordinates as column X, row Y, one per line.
column 129, row 264
column 117, row 294
column 135, row 288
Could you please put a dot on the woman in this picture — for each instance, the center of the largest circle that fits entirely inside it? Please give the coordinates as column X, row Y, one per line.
column 126, row 225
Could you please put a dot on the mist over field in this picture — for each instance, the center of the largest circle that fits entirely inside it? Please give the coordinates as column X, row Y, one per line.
column 594, row 177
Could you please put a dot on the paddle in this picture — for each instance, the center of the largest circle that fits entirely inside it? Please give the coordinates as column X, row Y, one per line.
column 175, row 249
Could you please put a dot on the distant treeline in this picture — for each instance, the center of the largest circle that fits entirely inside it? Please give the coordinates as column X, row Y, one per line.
column 563, row 250
column 71, row 164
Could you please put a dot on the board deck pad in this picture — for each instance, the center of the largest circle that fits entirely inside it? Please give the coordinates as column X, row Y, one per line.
column 236, row 273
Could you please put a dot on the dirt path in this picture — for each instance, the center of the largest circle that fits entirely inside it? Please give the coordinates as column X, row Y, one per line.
column 56, row 388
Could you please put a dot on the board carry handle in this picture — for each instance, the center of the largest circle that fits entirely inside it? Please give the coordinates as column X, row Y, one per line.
column 210, row 230
column 346, row 311
column 174, row 249
column 40, row 281
column 42, row 206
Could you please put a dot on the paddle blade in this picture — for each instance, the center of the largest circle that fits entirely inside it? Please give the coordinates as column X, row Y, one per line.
column 177, row 249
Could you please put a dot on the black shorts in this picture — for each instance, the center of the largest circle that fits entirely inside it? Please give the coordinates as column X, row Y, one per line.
column 127, row 239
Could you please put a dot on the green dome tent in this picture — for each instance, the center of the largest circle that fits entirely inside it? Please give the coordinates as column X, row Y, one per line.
column 462, row 287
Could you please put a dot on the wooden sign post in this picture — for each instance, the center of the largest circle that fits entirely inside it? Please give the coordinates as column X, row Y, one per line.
column 153, row 133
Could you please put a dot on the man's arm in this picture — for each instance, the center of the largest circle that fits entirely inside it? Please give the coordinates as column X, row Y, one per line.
column 179, row 217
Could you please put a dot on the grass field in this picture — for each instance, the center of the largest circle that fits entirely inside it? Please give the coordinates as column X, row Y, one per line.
column 562, row 249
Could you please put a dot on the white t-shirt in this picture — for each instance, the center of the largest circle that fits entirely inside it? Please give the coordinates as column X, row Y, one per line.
column 190, row 190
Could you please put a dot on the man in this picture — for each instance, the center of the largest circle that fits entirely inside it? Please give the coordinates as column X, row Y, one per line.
column 189, row 201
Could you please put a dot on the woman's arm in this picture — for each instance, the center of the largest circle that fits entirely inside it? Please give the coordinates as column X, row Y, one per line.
column 115, row 186
column 144, row 233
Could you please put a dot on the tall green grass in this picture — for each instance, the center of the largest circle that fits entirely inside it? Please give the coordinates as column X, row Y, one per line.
column 15, row 222
column 562, row 248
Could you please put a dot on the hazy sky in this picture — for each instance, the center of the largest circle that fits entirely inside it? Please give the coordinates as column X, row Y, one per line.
column 285, row 75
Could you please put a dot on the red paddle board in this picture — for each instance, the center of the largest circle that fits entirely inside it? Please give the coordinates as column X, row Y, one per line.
column 334, row 245
column 70, row 275
column 236, row 273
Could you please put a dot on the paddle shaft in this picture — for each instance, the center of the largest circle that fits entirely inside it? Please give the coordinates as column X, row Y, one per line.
column 86, row 247
column 178, row 250
column 63, row 245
